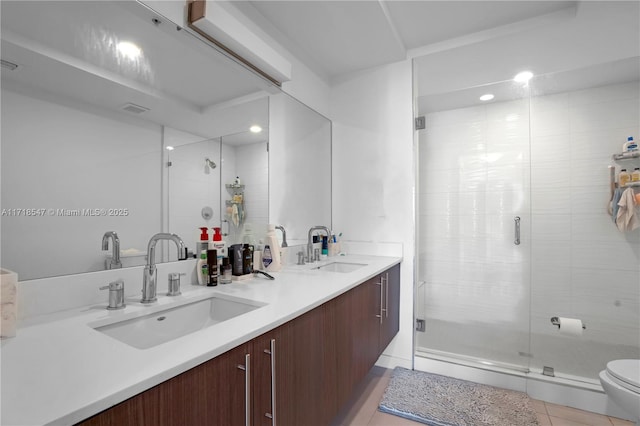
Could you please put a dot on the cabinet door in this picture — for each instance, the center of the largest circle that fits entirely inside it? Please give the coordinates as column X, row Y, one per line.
column 300, row 356
column 270, row 381
column 212, row 393
column 339, row 320
column 391, row 306
column 365, row 327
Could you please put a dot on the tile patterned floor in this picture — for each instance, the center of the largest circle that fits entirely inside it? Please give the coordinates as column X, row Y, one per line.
column 362, row 410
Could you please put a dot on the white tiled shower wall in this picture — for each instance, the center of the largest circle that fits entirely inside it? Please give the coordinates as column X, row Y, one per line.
column 477, row 172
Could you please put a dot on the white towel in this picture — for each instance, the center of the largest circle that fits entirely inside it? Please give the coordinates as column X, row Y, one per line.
column 627, row 219
column 235, row 218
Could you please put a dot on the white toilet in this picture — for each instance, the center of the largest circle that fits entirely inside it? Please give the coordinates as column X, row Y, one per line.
column 621, row 383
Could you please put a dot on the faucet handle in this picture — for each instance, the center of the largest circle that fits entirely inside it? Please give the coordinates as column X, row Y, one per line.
column 116, row 294
column 174, row 284
column 300, row 258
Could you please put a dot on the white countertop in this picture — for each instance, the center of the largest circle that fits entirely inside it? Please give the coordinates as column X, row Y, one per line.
column 59, row 370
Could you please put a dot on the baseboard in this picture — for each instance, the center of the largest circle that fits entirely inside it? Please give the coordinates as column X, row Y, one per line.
column 387, row 361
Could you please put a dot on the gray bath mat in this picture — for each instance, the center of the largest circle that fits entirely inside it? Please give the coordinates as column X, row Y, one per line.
column 443, row 401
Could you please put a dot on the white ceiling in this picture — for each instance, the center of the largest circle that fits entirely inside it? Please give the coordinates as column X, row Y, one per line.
column 60, row 46
column 344, row 36
column 455, row 44
column 67, row 50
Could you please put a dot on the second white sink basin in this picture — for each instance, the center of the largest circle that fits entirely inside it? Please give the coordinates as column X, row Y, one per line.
column 340, row 267
column 146, row 331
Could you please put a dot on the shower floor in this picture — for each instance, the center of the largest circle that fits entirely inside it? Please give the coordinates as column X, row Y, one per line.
column 489, row 344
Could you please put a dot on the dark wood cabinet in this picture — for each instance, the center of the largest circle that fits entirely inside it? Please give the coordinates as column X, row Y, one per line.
column 390, row 283
column 211, row 394
column 300, row 373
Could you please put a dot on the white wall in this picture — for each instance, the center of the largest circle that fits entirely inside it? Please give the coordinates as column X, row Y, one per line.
column 61, row 157
column 373, row 190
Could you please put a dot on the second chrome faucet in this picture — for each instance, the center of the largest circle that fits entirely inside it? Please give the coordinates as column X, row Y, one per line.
column 310, row 240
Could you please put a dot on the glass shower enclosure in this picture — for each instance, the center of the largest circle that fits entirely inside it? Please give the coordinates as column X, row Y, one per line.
column 514, row 224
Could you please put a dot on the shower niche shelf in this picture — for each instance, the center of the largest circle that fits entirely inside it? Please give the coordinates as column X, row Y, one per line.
column 626, row 156
column 235, row 210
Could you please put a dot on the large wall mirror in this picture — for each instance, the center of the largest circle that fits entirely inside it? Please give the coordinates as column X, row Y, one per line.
column 93, row 95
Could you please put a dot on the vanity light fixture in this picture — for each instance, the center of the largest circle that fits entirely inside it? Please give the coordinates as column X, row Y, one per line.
column 255, row 129
column 487, row 97
column 169, row 148
column 523, row 77
column 129, row 50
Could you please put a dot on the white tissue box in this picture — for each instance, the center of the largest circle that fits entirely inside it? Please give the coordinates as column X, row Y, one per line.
column 8, row 303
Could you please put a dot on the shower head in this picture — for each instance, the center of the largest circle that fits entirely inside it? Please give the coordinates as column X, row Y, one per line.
column 210, row 163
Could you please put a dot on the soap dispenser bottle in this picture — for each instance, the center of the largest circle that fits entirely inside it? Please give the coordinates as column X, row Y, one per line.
column 203, row 243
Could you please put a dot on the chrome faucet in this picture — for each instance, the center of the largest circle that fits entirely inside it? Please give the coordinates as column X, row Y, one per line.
column 149, row 281
column 115, row 246
column 310, row 240
column 284, row 236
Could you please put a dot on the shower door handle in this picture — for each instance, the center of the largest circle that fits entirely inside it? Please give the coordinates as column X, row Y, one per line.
column 517, row 230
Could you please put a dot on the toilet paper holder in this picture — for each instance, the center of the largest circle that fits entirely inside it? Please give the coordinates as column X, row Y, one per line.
column 556, row 321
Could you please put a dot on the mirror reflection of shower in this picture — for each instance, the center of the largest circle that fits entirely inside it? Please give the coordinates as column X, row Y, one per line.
column 208, row 166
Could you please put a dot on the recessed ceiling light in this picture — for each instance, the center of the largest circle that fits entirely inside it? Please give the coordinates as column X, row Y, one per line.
column 255, row 129
column 129, row 50
column 487, row 97
column 523, row 77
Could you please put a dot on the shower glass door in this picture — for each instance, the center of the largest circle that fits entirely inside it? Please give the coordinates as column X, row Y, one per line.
column 474, row 215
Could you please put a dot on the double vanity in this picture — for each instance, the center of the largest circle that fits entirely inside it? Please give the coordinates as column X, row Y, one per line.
column 288, row 351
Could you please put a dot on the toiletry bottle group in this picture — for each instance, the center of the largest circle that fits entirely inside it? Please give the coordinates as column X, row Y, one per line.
column 623, row 178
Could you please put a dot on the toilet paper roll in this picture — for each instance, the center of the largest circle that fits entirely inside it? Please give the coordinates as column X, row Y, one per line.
column 570, row 326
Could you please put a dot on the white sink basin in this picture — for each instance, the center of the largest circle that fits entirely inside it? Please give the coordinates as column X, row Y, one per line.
column 161, row 326
column 340, row 267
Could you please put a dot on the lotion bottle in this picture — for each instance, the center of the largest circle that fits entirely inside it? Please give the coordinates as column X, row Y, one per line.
column 218, row 244
column 271, row 243
column 202, row 268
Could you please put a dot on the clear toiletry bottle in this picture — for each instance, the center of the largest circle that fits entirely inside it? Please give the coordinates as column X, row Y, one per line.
column 635, row 176
column 623, row 178
column 225, row 271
